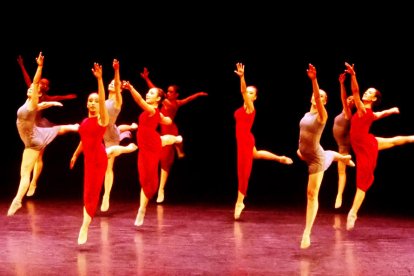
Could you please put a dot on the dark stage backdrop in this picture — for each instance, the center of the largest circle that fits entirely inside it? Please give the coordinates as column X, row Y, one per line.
column 198, row 51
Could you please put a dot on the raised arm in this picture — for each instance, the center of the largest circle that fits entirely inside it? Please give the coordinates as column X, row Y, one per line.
column 117, row 83
column 355, row 88
column 26, row 76
column 344, row 97
column 34, row 87
column 248, row 102
column 322, row 113
column 145, row 76
column 103, row 112
column 138, row 98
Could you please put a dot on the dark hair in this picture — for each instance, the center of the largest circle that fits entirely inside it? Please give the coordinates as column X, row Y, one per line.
column 378, row 95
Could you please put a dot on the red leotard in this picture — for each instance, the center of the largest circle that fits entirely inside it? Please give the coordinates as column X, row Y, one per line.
column 149, row 143
column 245, row 144
column 95, row 162
column 365, row 147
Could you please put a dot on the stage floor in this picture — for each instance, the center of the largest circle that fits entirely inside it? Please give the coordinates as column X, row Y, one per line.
column 200, row 239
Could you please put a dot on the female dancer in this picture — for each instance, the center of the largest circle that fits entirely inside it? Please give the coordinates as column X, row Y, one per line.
column 35, row 138
column 91, row 132
column 341, row 127
column 246, row 149
column 310, row 150
column 114, row 134
column 364, row 144
column 150, row 143
column 41, row 121
column 169, row 108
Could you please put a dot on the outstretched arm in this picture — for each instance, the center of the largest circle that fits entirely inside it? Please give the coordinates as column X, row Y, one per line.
column 191, row 98
column 57, row 98
column 26, row 76
column 386, row 113
column 145, row 76
column 44, row 105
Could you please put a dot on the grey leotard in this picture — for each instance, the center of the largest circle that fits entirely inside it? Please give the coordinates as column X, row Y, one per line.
column 312, row 152
column 112, row 133
column 33, row 137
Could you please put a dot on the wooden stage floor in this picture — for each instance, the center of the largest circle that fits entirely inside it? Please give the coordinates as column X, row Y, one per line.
column 200, row 239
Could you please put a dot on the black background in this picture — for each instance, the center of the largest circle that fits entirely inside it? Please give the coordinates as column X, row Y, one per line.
column 197, row 46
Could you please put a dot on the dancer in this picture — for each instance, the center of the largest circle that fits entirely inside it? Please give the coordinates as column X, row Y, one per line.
column 310, row 150
column 40, row 120
column 44, row 86
column 150, row 144
column 246, row 149
column 95, row 154
column 114, row 134
column 341, row 127
column 364, row 144
column 169, row 108
column 35, row 138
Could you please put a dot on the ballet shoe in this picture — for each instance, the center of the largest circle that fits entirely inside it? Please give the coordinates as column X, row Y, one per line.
column 160, row 197
column 140, row 217
column 350, row 221
column 15, row 205
column 31, row 190
column 305, row 242
column 237, row 210
column 105, row 204
column 179, row 139
column 338, row 203
column 83, row 236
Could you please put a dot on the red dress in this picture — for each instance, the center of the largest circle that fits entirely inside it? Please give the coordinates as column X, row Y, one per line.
column 95, row 162
column 245, row 144
column 365, row 147
column 149, row 144
column 168, row 152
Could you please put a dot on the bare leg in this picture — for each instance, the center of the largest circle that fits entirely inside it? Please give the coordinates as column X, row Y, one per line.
column 28, row 162
column 83, row 233
column 267, row 155
column 125, row 127
column 163, row 181
column 117, row 150
column 345, row 158
column 168, row 139
column 239, row 205
column 314, row 183
column 139, row 220
column 386, row 143
column 68, row 128
column 341, row 184
column 353, row 213
column 38, row 167
column 180, row 150
column 109, row 179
